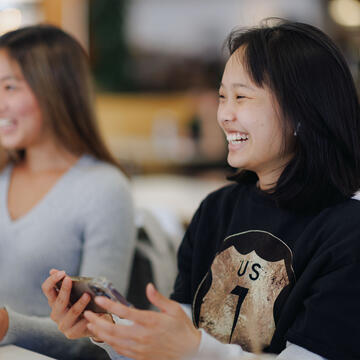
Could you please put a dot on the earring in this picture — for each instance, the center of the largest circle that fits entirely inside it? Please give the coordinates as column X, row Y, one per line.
column 297, row 129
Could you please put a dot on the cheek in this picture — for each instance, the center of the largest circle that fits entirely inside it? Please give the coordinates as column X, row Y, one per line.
column 219, row 115
column 267, row 135
column 28, row 105
column 29, row 111
column 275, row 143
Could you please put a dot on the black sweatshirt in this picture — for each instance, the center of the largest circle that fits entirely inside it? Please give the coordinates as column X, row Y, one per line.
column 257, row 275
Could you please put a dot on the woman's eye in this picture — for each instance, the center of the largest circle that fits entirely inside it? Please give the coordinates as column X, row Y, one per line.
column 221, row 96
column 10, row 87
column 240, row 97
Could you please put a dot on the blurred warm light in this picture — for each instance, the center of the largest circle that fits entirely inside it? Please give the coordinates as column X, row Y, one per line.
column 10, row 19
column 345, row 12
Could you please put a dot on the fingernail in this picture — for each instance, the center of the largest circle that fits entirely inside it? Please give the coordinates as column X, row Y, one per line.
column 68, row 280
column 152, row 287
column 100, row 300
column 86, row 313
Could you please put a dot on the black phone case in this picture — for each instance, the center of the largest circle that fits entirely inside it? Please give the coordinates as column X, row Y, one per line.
column 94, row 287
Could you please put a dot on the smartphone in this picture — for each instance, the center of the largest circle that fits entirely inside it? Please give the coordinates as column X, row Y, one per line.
column 98, row 286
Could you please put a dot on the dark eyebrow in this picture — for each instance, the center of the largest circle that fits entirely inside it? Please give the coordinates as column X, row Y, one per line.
column 239, row 85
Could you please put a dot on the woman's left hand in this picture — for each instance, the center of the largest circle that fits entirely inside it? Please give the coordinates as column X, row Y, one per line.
column 4, row 323
column 165, row 335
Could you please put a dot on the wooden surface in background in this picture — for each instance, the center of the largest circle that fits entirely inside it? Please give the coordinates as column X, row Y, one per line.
column 52, row 10
column 151, row 131
column 121, row 115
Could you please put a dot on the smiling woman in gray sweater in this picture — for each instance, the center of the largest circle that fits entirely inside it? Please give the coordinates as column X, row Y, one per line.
column 64, row 201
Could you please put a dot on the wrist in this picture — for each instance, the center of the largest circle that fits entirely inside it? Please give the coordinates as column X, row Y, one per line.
column 107, row 317
column 196, row 341
column 4, row 323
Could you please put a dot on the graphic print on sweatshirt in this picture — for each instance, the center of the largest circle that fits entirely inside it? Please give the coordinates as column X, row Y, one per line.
column 248, row 281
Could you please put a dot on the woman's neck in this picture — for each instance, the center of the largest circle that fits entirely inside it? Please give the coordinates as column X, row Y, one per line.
column 48, row 157
column 268, row 178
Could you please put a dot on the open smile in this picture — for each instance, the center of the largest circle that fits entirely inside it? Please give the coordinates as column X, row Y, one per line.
column 237, row 138
column 7, row 125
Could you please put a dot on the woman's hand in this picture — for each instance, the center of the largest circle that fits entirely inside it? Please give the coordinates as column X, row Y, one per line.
column 68, row 318
column 168, row 334
column 4, row 323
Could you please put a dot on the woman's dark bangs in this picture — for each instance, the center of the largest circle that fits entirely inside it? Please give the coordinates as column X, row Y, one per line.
column 254, row 55
column 255, row 62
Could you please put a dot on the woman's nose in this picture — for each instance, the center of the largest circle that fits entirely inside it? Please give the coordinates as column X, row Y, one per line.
column 226, row 113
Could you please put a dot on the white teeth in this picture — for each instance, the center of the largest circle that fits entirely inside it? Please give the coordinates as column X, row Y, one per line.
column 236, row 138
column 5, row 122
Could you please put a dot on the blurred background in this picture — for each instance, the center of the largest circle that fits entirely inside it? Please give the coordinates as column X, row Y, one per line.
column 157, row 65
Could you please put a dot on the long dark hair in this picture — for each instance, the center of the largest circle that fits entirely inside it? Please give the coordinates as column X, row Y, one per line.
column 318, row 101
column 56, row 68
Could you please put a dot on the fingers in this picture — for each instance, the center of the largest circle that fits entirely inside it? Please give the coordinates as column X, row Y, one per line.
column 121, row 346
column 104, row 326
column 68, row 318
column 162, row 302
column 143, row 317
column 63, row 297
column 78, row 330
column 71, row 318
column 107, row 317
column 102, row 330
column 53, row 271
column 98, row 323
column 121, row 337
column 48, row 287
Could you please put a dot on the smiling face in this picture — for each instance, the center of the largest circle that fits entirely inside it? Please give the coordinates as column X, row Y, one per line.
column 21, row 122
column 248, row 116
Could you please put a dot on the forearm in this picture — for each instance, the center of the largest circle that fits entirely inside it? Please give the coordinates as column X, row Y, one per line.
column 40, row 334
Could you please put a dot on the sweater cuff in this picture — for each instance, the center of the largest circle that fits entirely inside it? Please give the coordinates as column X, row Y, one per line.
column 212, row 348
column 15, row 320
column 110, row 351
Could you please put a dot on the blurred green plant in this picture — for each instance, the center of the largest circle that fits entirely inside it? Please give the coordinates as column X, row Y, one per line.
column 109, row 53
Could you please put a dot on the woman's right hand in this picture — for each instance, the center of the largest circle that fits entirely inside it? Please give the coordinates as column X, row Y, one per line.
column 68, row 318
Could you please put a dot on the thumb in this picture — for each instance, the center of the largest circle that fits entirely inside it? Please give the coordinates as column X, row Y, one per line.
column 160, row 301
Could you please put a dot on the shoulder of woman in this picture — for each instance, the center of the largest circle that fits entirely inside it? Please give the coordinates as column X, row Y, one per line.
column 225, row 191
column 339, row 228
column 100, row 178
column 225, row 196
column 217, row 202
column 346, row 213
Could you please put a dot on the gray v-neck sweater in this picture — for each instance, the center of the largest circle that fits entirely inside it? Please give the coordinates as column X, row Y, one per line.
column 85, row 226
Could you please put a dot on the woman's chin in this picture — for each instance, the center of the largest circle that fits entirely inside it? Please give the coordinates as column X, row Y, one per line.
column 10, row 145
column 235, row 162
